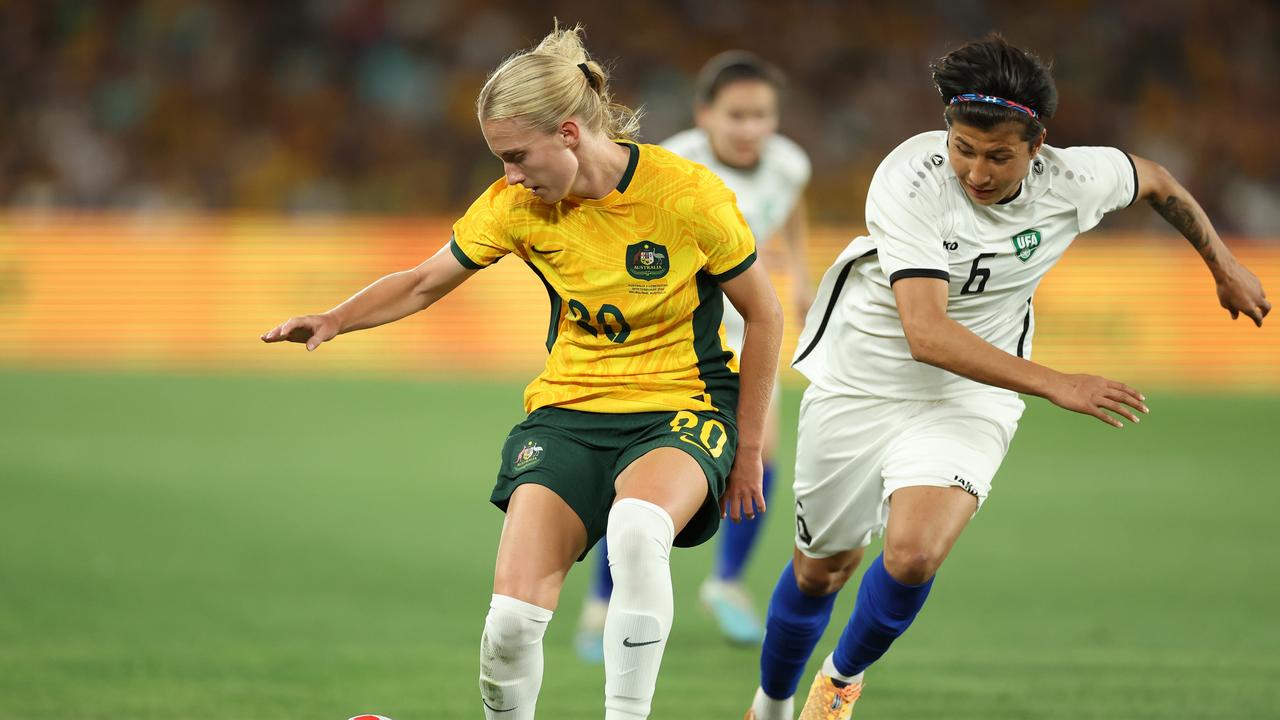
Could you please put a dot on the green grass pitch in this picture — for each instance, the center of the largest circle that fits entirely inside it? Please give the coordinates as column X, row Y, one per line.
column 218, row 547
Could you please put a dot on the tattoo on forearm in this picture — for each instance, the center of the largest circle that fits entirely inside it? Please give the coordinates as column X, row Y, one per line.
column 1181, row 216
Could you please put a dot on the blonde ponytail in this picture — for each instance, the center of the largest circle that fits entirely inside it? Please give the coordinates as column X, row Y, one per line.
column 553, row 82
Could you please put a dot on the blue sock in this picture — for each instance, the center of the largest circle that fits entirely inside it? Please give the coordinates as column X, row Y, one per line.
column 737, row 539
column 793, row 628
column 884, row 611
column 602, row 583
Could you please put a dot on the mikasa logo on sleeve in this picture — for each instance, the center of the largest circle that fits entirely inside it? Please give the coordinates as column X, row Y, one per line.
column 1025, row 244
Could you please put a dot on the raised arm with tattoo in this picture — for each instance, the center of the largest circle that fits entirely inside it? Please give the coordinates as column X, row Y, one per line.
column 1239, row 290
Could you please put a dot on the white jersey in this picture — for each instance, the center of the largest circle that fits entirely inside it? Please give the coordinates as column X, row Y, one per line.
column 921, row 223
column 768, row 192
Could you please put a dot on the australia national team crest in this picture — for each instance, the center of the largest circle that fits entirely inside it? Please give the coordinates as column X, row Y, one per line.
column 647, row 260
column 1025, row 244
column 528, row 456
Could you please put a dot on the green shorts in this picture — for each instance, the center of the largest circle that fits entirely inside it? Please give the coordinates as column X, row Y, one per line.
column 578, row 455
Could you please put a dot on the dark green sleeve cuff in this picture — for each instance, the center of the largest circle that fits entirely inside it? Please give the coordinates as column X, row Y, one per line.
column 462, row 257
column 736, row 270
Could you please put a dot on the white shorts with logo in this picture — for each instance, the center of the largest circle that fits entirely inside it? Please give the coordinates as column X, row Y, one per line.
column 854, row 452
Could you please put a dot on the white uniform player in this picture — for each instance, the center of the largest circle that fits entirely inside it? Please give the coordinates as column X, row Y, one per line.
column 767, row 193
column 917, row 345
column 874, row 419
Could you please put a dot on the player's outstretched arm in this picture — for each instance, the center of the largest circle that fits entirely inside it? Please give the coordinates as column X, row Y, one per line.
column 1239, row 290
column 938, row 340
column 388, row 299
column 753, row 295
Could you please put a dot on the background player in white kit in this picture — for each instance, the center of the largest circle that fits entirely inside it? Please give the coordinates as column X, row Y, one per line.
column 736, row 137
column 917, row 348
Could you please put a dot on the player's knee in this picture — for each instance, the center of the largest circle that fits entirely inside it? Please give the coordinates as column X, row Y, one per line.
column 513, row 624
column 822, row 576
column 912, row 563
column 640, row 536
column 503, row 630
column 817, row 584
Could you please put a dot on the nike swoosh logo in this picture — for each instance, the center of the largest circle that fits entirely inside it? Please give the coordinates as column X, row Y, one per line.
column 494, row 708
column 626, row 642
column 544, row 252
column 695, row 443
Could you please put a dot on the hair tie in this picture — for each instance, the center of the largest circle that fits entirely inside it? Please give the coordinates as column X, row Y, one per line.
column 586, row 72
column 992, row 99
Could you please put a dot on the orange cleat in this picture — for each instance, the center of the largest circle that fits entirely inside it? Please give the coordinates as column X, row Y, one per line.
column 828, row 702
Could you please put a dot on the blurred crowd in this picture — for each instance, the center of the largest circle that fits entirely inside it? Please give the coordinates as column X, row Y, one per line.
column 367, row 106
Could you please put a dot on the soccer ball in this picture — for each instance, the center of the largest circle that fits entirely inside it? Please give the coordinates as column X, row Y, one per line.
column 369, row 717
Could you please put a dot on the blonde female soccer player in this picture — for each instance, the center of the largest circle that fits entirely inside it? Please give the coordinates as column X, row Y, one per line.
column 919, row 344
column 642, row 425
column 736, row 108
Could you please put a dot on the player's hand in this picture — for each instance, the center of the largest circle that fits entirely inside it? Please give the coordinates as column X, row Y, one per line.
column 1094, row 395
column 744, row 497
column 309, row 329
column 1239, row 291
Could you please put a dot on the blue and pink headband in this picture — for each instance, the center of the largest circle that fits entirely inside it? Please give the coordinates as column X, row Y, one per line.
column 977, row 97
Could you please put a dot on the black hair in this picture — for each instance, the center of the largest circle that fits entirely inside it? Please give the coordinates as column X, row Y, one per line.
column 991, row 66
column 733, row 66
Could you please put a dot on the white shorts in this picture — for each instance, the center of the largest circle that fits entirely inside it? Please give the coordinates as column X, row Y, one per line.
column 852, row 453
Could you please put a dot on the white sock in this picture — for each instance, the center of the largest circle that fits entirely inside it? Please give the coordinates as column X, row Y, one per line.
column 766, row 708
column 829, row 669
column 640, row 611
column 511, row 658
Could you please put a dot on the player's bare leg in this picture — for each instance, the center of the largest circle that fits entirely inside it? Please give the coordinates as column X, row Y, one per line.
column 657, row 495
column 924, row 523
column 824, row 576
column 541, row 538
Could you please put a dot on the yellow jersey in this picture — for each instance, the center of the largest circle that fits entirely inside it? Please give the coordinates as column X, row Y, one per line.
column 633, row 280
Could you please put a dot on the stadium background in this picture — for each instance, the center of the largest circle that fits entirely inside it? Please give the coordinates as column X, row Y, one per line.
column 195, row 525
